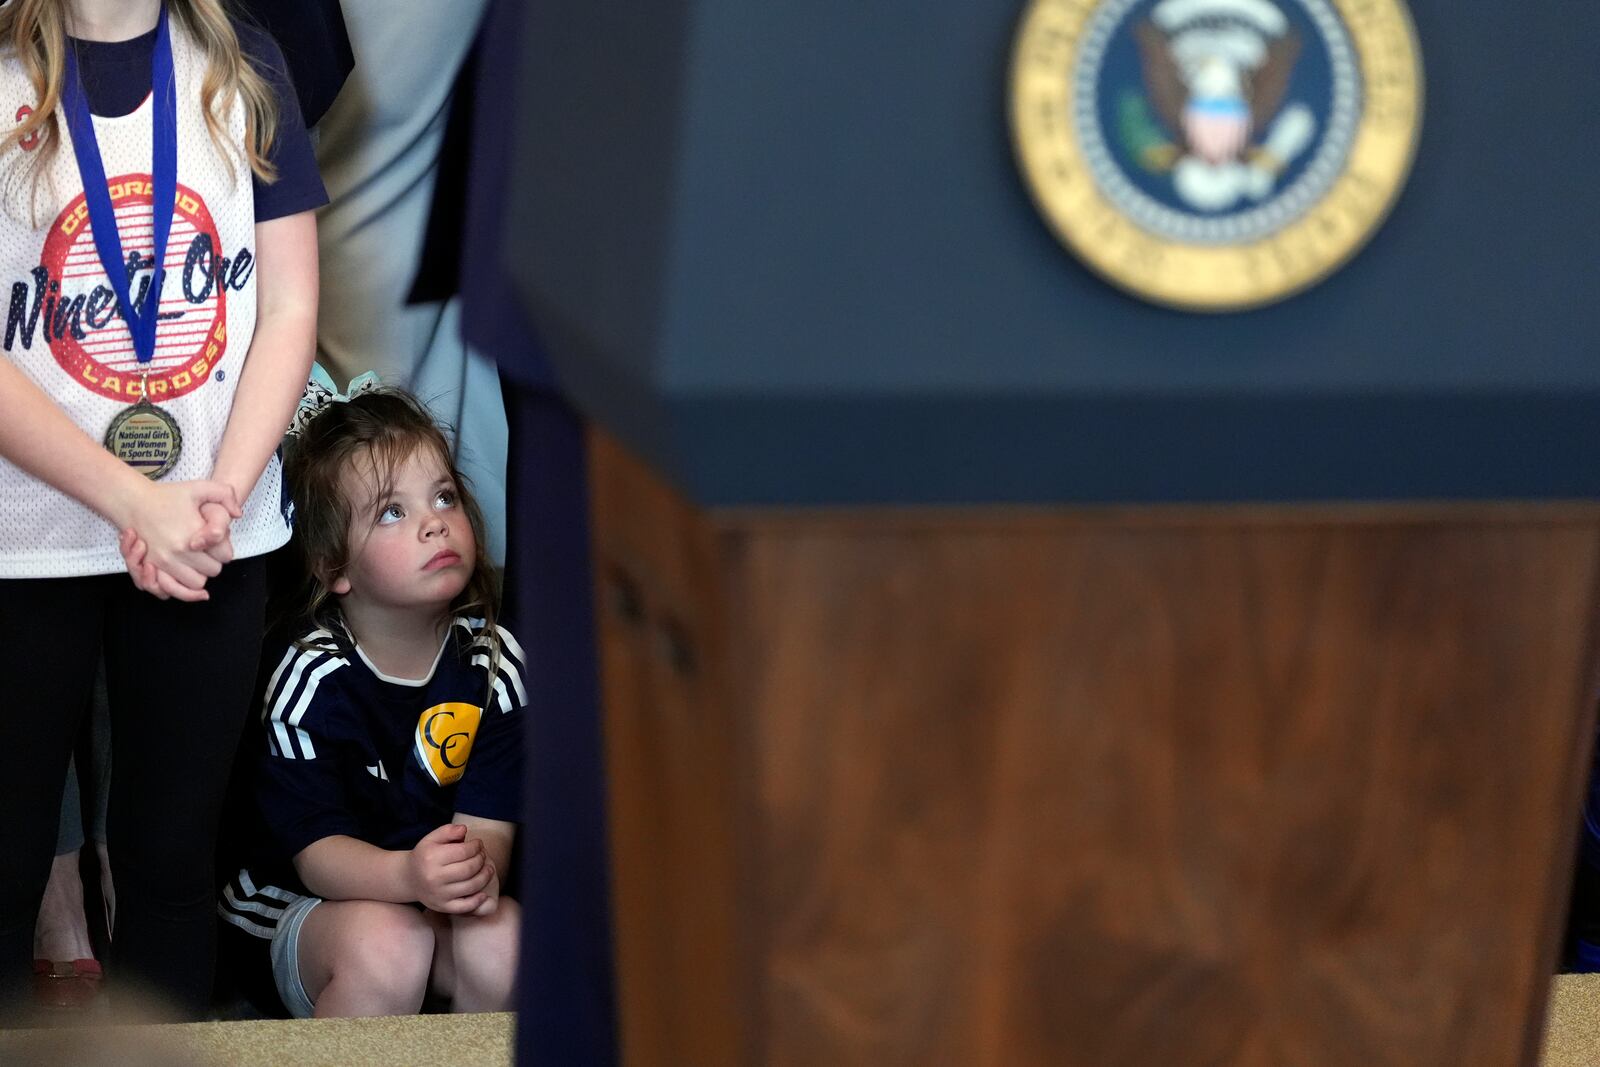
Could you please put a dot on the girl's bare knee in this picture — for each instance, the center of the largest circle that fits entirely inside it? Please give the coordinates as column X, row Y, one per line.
column 486, row 956
column 387, row 949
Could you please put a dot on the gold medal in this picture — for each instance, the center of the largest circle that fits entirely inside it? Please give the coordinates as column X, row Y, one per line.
column 146, row 438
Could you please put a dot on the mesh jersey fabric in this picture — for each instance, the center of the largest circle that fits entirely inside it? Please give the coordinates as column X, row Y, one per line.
column 64, row 332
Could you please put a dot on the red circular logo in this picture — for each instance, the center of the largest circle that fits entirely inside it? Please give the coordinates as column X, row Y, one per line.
column 81, row 319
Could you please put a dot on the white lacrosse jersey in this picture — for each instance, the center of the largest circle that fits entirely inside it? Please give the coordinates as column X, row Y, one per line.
column 64, row 331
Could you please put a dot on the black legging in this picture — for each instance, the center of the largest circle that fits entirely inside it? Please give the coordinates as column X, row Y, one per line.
column 180, row 679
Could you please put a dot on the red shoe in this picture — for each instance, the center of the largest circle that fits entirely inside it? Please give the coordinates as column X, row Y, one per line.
column 66, row 985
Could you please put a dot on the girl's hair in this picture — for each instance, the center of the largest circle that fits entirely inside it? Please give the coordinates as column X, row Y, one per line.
column 376, row 431
column 35, row 31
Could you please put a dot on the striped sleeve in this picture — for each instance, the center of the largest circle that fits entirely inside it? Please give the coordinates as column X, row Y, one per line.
column 510, row 682
column 299, row 791
column 289, row 695
column 491, row 788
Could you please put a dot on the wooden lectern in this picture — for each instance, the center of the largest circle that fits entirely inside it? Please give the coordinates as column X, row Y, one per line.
column 1000, row 671
column 1243, row 786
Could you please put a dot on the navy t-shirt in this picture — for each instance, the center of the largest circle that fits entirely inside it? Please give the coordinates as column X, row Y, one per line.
column 345, row 750
column 116, row 79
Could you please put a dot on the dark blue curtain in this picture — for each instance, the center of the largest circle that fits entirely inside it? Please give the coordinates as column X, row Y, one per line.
column 566, row 1004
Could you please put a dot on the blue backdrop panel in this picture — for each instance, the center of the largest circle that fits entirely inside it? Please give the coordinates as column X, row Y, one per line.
column 785, row 253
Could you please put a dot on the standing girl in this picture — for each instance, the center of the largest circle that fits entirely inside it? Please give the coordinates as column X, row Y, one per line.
column 159, row 330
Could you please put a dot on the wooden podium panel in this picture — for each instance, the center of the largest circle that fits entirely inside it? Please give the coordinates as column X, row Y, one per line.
column 1263, row 787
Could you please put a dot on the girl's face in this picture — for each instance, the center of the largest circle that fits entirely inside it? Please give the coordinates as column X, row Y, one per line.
column 412, row 548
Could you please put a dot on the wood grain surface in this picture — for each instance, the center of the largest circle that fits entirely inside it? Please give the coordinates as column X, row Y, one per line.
column 673, row 774
column 1235, row 787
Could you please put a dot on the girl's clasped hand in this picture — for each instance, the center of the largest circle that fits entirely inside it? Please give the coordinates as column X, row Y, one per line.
column 177, row 537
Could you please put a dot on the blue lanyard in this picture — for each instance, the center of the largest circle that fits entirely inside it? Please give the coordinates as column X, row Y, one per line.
column 164, row 178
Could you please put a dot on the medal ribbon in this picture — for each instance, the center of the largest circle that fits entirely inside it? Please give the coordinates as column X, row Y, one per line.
column 164, row 178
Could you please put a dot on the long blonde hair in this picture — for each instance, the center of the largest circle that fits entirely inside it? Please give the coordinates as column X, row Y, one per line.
column 35, row 31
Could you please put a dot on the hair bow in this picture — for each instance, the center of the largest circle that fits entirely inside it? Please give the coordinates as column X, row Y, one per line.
column 320, row 392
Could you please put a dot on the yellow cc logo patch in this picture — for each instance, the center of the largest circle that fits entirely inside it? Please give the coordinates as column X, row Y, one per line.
column 444, row 740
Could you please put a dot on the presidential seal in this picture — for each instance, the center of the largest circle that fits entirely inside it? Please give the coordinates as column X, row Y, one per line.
column 1215, row 154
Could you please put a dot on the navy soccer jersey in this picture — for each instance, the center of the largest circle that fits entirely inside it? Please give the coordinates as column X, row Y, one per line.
column 347, row 750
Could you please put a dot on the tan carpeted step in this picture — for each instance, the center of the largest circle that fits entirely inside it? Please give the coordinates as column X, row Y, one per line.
column 410, row 1040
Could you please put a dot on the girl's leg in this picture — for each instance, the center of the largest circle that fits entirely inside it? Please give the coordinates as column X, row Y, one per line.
column 95, row 810
column 365, row 957
column 475, row 963
column 181, row 678
column 61, row 932
column 49, row 638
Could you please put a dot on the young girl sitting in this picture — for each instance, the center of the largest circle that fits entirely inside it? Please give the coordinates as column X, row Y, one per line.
column 387, row 783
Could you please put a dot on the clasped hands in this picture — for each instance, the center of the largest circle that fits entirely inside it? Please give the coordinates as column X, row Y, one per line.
column 175, row 536
column 451, row 873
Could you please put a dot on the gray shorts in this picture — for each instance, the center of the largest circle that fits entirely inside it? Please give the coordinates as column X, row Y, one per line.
column 286, row 957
